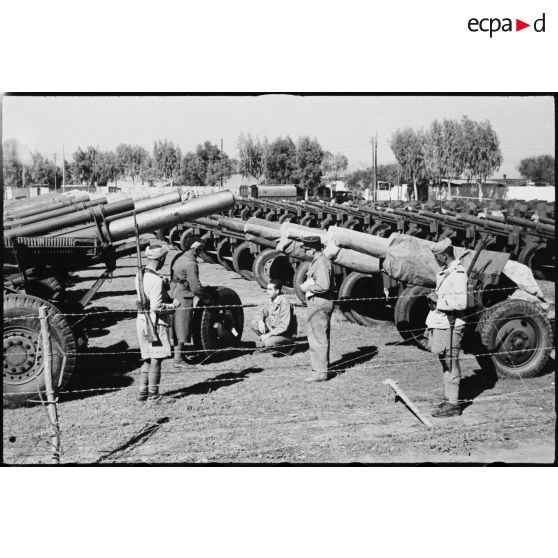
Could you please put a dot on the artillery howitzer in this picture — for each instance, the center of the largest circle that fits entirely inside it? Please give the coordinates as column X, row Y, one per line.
column 34, row 266
column 506, row 314
column 36, row 205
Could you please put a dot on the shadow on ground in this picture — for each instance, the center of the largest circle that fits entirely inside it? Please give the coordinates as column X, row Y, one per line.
column 213, row 384
column 102, row 370
column 352, row 359
column 135, row 441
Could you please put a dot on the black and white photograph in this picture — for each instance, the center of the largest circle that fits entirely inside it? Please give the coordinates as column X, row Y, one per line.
column 278, row 279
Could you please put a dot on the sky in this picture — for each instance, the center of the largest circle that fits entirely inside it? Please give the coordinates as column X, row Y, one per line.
column 342, row 124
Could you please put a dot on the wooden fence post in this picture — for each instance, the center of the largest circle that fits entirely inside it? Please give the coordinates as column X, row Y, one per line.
column 52, row 409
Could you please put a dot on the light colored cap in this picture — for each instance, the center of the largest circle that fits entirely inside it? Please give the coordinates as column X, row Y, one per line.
column 439, row 247
column 196, row 244
column 155, row 252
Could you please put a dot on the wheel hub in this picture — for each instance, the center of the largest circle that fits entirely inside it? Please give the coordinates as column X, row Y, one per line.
column 23, row 355
column 519, row 339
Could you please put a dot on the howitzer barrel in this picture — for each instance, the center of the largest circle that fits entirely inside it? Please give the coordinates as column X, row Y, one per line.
column 86, row 230
column 232, row 224
column 171, row 215
column 41, row 206
column 80, row 217
column 44, row 216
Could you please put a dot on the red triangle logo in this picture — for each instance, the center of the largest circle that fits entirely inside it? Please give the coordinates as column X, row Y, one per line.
column 519, row 25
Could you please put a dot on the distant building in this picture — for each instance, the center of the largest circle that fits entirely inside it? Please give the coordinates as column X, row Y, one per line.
column 236, row 181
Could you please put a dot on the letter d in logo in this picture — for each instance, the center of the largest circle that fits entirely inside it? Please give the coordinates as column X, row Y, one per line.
column 539, row 24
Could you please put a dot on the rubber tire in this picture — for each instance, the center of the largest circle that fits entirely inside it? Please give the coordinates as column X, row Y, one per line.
column 47, row 288
column 308, row 221
column 224, row 249
column 62, row 338
column 380, row 229
column 245, row 214
column 162, row 234
column 286, row 218
column 174, row 236
column 373, row 286
column 527, row 256
column 299, row 278
column 205, row 335
column 263, row 260
column 496, row 316
column 411, row 310
column 185, row 234
column 353, row 224
column 243, row 260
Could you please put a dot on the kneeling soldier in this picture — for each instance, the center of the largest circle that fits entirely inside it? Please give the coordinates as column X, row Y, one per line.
column 276, row 323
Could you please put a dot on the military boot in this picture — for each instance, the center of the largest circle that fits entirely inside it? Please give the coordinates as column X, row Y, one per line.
column 179, row 353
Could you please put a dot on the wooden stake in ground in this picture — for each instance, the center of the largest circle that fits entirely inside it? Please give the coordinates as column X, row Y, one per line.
column 52, row 409
column 399, row 392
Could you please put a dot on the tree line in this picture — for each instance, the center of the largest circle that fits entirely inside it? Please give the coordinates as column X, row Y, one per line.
column 304, row 163
column 447, row 149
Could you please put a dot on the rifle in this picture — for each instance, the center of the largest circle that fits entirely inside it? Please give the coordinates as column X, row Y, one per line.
column 143, row 304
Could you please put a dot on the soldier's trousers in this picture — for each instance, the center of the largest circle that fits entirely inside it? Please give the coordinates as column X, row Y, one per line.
column 183, row 320
column 318, row 319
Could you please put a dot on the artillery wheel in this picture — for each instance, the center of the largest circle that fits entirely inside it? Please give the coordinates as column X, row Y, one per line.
column 245, row 214
column 273, row 264
column 185, row 234
column 224, row 252
column 411, row 310
column 308, row 221
column 162, row 234
column 299, row 278
column 353, row 224
column 219, row 328
column 286, row 218
column 540, row 259
column 380, row 229
column 47, row 288
column 23, row 351
column 259, row 263
column 520, row 333
column 208, row 254
column 243, row 260
column 362, row 285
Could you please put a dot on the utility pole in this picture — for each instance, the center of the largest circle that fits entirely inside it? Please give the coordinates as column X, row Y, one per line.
column 55, row 172
column 63, row 171
column 374, row 186
column 376, row 164
column 221, row 163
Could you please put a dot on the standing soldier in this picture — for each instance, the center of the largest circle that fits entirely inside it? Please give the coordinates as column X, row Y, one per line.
column 446, row 323
column 185, row 284
column 159, row 307
column 319, row 304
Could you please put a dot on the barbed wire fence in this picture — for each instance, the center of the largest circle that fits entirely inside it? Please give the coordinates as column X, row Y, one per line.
column 443, row 436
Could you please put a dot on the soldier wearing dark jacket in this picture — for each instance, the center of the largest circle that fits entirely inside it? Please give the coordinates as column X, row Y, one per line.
column 185, row 284
column 319, row 305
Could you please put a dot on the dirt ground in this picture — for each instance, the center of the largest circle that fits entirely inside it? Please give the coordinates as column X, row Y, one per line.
column 247, row 406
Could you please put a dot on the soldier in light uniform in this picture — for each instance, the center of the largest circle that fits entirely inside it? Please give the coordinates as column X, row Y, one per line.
column 318, row 288
column 185, row 284
column 276, row 323
column 446, row 324
column 161, row 307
